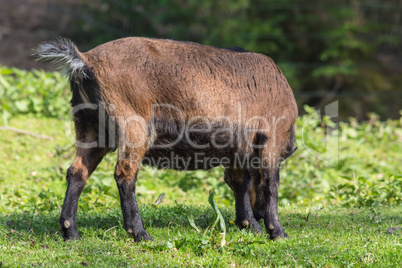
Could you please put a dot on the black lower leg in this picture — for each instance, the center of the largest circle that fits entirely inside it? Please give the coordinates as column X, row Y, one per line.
column 131, row 213
column 240, row 182
column 68, row 218
column 85, row 162
column 271, row 217
column 258, row 203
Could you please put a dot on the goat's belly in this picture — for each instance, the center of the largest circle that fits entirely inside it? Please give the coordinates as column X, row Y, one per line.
column 180, row 158
column 165, row 154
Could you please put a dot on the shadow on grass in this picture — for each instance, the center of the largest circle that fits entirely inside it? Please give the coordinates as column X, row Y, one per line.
column 41, row 224
column 47, row 222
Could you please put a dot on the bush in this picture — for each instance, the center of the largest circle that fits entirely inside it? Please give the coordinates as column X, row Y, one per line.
column 361, row 170
column 35, row 92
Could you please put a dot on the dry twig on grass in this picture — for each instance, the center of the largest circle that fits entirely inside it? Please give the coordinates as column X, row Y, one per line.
column 25, row 132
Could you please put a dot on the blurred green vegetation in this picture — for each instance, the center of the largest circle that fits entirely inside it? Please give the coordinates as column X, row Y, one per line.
column 329, row 50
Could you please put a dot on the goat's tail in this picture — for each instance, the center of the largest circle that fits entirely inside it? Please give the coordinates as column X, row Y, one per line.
column 64, row 54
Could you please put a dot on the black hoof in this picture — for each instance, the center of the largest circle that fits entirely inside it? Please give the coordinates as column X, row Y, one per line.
column 142, row 236
column 70, row 234
column 276, row 232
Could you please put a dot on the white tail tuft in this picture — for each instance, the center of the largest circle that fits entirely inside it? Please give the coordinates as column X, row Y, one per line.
column 64, row 54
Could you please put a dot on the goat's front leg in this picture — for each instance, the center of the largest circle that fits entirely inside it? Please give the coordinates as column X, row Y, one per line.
column 126, row 177
column 270, row 174
column 84, row 164
column 257, row 198
column 239, row 181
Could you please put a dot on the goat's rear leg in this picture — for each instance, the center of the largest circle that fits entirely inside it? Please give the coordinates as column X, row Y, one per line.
column 84, row 164
column 239, row 181
column 126, row 177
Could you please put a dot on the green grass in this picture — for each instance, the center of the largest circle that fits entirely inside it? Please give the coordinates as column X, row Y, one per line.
column 32, row 186
column 334, row 237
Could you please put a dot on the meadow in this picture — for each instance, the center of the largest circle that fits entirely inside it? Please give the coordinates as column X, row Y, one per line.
column 340, row 196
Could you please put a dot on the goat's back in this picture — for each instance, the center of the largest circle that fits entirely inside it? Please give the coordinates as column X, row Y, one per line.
column 199, row 80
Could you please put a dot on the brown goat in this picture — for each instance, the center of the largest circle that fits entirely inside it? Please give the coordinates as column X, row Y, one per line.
column 178, row 105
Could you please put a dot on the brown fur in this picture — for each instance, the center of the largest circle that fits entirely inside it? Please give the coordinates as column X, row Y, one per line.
column 227, row 87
